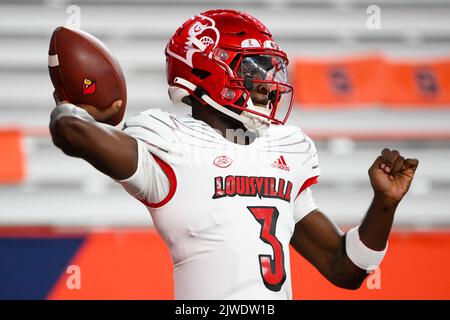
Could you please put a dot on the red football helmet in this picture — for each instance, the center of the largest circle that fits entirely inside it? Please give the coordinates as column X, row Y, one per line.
column 219, row 57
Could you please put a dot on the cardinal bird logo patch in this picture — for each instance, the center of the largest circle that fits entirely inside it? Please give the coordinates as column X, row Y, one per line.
column 88, row 86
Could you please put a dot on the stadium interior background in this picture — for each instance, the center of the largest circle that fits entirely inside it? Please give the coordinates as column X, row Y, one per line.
column 358, row 90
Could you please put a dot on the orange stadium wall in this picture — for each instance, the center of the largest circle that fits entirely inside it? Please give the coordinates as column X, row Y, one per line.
column 135, row 264
column 12, row 156
column 368, row 80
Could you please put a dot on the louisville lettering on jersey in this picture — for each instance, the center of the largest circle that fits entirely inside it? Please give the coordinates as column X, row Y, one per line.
column 267, row 187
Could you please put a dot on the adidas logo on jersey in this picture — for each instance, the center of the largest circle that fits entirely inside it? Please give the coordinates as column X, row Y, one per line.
column 280, row 163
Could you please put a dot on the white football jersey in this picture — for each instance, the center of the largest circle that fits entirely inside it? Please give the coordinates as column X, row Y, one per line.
column 226, row 211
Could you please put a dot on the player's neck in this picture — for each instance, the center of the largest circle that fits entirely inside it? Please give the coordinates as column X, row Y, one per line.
column 231, row 129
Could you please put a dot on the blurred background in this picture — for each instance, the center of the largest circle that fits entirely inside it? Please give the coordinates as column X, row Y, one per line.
column 367, row 75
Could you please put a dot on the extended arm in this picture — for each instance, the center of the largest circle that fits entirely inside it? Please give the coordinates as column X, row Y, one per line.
column 323, row 244
column 78, row 134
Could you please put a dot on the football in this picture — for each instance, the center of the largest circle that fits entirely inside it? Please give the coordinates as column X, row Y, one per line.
column 84, row 71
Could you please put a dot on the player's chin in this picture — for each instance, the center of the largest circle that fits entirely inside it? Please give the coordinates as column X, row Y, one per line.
column 262, row 101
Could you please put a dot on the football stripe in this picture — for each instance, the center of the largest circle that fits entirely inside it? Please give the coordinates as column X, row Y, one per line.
column 53, row 60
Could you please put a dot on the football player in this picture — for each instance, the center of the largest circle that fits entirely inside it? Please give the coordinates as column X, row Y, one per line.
column 228, row 187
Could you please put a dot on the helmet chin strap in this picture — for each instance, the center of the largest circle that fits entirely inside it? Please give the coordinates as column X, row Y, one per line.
column 252, row 122
column 256, row 124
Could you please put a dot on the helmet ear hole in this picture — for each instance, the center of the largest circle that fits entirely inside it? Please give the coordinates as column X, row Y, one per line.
column 202, row 74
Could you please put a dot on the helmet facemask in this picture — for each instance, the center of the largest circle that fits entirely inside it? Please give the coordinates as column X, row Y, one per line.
column 262, row 80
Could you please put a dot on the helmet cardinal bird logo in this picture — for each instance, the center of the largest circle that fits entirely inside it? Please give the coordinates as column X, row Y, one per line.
column 201, row 35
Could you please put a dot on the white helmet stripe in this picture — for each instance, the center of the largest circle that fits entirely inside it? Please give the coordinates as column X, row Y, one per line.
column 53, row 60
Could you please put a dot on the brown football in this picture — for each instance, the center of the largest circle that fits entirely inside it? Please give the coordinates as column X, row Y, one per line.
column 84, row 71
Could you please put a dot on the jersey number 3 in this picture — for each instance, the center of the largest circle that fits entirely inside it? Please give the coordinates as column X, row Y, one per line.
column 272, row 269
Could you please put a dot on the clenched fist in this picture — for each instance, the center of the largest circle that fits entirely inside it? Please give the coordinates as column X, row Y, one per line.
column 391, row 175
